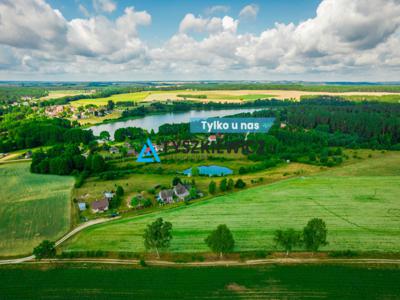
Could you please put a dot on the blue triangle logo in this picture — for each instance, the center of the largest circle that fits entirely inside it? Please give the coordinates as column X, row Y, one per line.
column 148, row 150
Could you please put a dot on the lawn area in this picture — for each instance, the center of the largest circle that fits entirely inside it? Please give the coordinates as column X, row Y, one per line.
column 361, row 212
column 266, row 282
column 33, row 208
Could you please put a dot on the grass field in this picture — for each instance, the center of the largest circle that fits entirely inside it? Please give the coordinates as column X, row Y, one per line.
column 237, row 95
column 362, row 213
column 267, row 282
column 32, row 208
column 133, row 184
column 228, row 96
column 136, row 97
column 62, row 93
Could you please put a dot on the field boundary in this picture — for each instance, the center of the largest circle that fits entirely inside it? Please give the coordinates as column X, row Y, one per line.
column 227, row 263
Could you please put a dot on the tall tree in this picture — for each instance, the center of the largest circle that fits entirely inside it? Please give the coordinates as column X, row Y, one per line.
column 105, row 135
column 158, row 235
column 288, row 239
column 230, row 185
column 212, row 187
column 46, row 249
column 314, row 234
column 110, row 105
column 223, row 185
column 220, row 240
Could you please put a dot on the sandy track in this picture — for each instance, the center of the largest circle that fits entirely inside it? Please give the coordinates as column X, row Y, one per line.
column 227, row 263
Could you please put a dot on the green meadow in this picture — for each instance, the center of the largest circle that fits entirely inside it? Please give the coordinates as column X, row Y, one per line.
column 136, row 97
column 361, row 210
column 265, row 282
column 32, row 208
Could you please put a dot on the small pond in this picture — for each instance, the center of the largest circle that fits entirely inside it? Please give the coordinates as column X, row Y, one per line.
column 210, row 171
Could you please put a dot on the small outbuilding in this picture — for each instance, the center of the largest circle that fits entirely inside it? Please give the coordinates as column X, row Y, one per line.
column 82, row 206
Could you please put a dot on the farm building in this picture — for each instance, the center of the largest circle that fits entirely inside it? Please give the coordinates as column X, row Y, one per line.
column 212, row 138
column 166, row 196
column 181, row 191
column 100, row 206
column 82, row 206
column 108, row 195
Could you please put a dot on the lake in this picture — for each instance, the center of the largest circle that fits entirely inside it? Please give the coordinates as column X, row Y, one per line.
column 210, row 171
column 154, row 121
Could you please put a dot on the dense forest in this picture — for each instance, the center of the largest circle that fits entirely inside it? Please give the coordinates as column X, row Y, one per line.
column 17, row 132
column 11, row 94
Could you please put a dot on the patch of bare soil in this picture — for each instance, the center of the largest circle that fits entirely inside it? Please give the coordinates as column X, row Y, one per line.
column 234, row 287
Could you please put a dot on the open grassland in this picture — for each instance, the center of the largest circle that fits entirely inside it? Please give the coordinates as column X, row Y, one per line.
column 150, row 175
column 362, row 213
column 228, row 96
column 135, row 97
column 33, row 208
column 63, row 93
column 267, row 282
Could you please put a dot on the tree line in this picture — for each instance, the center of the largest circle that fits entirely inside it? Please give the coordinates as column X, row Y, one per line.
column 17, row 133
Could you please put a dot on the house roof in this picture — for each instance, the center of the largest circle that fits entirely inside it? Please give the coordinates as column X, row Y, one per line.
column 108, row 194
column 100, row 204
column 180, row 189
column 164, row 194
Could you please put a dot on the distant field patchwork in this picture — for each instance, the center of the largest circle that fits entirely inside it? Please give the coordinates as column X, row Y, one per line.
column 232, row 96
column 362, row 213
column 32, row 208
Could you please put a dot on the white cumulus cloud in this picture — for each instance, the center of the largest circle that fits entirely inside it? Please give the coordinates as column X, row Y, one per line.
column 349, row 40
column 107, row 6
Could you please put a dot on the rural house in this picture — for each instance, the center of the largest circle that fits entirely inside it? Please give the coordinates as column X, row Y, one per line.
column 131, row 152
column 100, row 206
column 166, row 196
column 212, row 138
column 181, row 191
column 114, row 150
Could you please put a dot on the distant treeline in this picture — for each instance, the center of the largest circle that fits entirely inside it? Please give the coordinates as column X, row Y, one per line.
column 65, row 160
column 190, row 105
column 9, row 95
column 295, row 87
column 103, row 93
column 18, row 133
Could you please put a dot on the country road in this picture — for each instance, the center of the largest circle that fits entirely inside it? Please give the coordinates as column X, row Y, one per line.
column 60, row 241
column 227, row 263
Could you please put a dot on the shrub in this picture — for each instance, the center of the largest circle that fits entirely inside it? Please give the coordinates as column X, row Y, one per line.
column 240, row 184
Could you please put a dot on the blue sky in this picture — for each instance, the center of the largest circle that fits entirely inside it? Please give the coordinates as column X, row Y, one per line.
column 167, row 14
column 310, row 40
